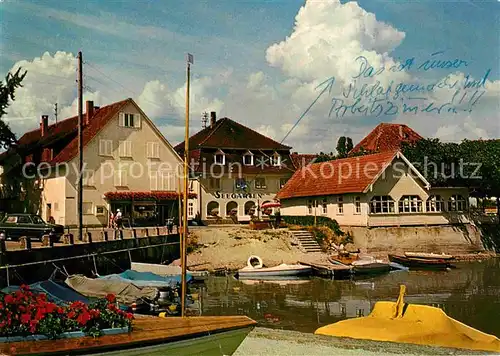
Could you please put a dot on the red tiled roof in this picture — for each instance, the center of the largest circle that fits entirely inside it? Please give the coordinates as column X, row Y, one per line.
column 341, row 176
column 230, row 134
column 100, row 118
column 63, row 135
column 301, row 160
column 387, row 137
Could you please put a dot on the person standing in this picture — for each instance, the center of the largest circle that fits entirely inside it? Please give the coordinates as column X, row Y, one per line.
column 111, row 219
column 118, row 219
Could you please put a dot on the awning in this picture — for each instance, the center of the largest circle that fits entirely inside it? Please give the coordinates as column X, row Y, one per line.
column 270, row 205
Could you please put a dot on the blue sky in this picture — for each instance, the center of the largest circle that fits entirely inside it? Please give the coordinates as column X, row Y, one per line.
column 136, row 42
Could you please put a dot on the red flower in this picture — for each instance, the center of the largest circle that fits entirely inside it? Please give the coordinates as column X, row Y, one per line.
column 50, row 307
column 71, row 314
column 95, row 313
column 83, row 318
column 111, row 298
column 9, row 299
column 129, row 316
column 25, row 318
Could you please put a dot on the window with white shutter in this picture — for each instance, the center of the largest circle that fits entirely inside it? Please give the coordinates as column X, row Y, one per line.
column 153, row 150
column 125, row 148
column 121, row 178
column 87, row 208
column 153, row 180
column 165, row 181
column 129, row 120
column 137, row 121
column 105, row 147
column 88, row 178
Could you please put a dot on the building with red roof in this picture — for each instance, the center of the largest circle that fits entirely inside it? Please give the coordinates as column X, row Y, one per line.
column 381, row 189
column 386, row 137
column 236, row 169
column 128, row 165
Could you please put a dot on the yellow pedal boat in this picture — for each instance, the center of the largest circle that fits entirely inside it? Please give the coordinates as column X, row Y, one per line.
column 413, row 324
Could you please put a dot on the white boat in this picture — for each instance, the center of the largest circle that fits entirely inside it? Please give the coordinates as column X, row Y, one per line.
column 166, row 270
column 282, row 271
column 429, row 256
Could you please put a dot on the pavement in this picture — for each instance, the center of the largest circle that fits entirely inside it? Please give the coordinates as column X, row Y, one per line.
column 264, row 341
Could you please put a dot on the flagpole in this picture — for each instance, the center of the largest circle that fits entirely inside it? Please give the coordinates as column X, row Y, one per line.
column 185, row 202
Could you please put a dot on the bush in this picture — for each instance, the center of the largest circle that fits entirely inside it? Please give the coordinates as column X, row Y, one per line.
column 24, row 313
column 309, row 221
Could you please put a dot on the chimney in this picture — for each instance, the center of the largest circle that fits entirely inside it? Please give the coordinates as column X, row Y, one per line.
column 213, row 118
column 44, row 125
column 89, row 111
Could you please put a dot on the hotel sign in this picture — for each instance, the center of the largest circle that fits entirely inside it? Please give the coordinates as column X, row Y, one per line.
column 219, row 195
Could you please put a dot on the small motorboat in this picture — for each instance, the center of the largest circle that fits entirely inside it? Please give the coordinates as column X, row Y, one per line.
column 167, row 270
column 420, row 263
column 367, row 266
column 283, row 271
column 430, row 256
column 413, row 324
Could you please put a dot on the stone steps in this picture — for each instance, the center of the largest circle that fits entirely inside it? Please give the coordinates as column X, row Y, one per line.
column 307, row 241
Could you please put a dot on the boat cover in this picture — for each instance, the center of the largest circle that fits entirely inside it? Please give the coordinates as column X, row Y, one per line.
column 147, row 279
column 126, row 293
column 56, row 293
column 417, row 324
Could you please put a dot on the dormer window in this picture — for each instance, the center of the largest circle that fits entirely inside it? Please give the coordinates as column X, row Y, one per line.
column 248, row 158
column 275, row 159
column 220, row 157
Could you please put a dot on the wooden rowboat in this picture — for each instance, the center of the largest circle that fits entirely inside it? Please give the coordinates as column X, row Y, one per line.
column 370, row 267
column 420, row 263
column 432, row 256
column 208, row 335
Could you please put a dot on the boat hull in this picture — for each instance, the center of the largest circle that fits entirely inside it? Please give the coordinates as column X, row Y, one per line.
column 428, row 256
column 419, row 263
column 273, row 274
column 371, row 268
column 223, row 343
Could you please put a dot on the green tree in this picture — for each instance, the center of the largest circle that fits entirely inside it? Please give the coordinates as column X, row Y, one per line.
column 7, row 89
column 349, row 145
column 341, row 147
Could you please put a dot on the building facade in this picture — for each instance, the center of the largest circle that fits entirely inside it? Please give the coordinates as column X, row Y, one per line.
column 127, row 164
column 235, row 170
column 382, row 189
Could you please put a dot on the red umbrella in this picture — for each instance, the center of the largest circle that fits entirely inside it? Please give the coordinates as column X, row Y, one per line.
column 270, row 205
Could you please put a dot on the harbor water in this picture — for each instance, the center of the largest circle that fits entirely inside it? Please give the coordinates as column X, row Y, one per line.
column 470, row 293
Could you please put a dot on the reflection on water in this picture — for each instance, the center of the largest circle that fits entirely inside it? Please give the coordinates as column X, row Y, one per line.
column 470, row 293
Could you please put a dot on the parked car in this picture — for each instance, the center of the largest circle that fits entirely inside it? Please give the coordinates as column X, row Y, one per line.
column 15, row 226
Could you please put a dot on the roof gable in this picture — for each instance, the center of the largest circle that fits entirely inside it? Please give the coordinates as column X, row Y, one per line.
column 341, row 176
column 386, row 137
column 228, row 133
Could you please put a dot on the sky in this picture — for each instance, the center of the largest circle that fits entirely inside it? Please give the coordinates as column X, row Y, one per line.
column 262, row 63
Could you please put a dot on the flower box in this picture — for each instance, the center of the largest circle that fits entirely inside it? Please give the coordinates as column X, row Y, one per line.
column 67, row 335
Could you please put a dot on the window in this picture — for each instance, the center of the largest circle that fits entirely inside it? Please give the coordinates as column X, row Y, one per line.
column 120, row 178
column 87, row 208
column 283, row 182
column 240, row 183
column 153, row 180
column 100, row 210
column 38, row 220
column 325, row 206
column 220, row 158
column 214, row 183
column 381, row 205
column 410, row 204
column 340, row 205
column 213, row 209
column 125, row 149
column 105, row 147
column 456, row 203
column 24, row 220
column 260, row 183
column 130, row 120
column 357, row 205
column 88, row 178
column 435, row 203
column 190, row 208
column 310, row 207
column 166, row 178
column 153, row 150
column 248, row 159
column 275, row 159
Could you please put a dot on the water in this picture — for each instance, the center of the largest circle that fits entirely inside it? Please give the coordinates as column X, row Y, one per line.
column 470, row 294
